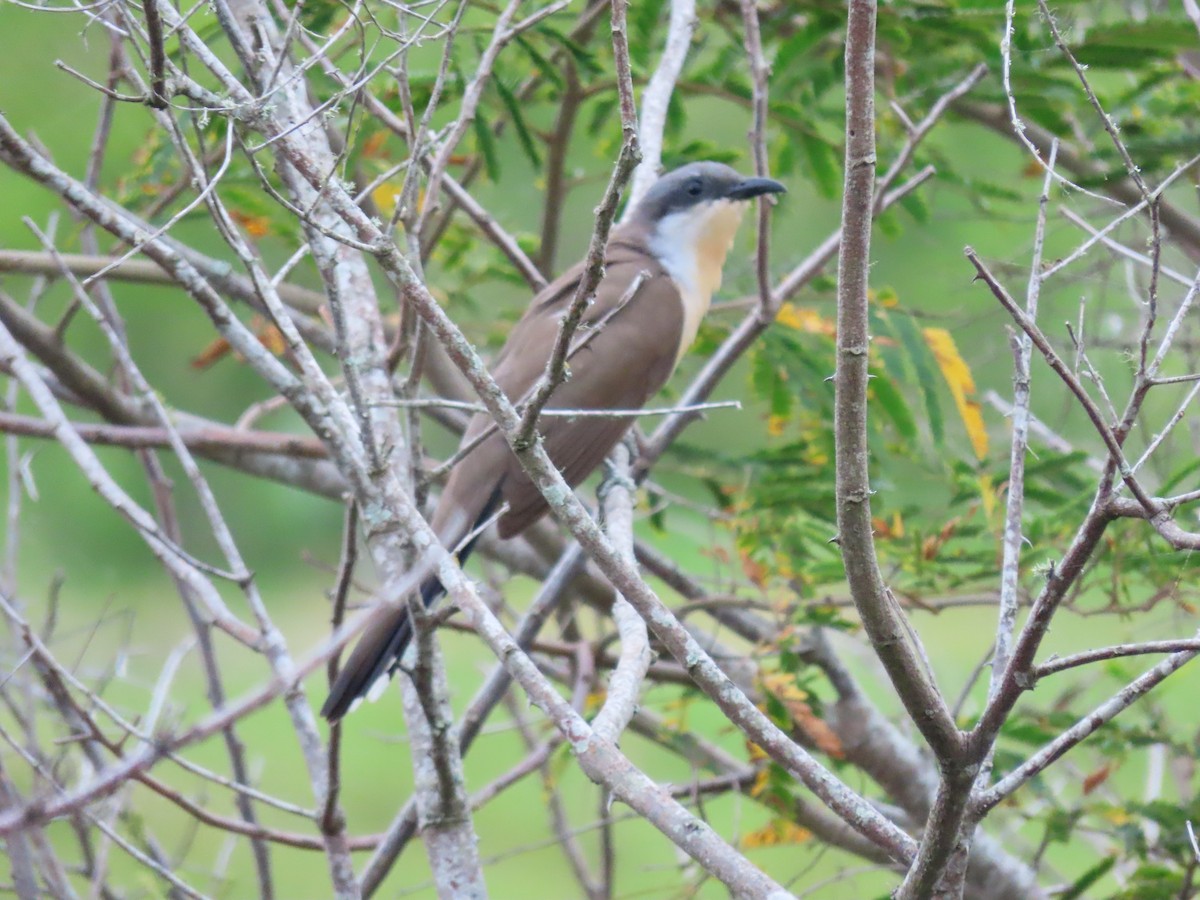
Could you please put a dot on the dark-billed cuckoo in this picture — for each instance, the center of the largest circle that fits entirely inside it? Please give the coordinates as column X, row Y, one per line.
column 661, row 268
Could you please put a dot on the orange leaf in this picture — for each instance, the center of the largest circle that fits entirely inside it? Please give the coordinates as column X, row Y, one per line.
column 823, row 737
column 373, row 146
column 256, row 226
column 948, row 529
column 210, row 354
column 755, row 571
column 932, row 544
column 889, row 530
column 783, row 688
column 272, row 338
column 268, row 335
column 1096, row 778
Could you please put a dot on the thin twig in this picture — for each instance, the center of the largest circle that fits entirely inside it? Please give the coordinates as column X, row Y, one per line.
column 593, row 270
column 1057, row 664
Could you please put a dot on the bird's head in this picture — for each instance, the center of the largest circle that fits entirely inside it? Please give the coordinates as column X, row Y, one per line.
column 700, row 186
column 693, row 212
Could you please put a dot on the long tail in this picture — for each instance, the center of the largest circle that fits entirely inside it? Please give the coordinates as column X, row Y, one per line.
column 380, row 650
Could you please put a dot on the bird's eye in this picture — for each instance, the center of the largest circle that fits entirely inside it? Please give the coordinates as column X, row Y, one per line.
column 695, row 187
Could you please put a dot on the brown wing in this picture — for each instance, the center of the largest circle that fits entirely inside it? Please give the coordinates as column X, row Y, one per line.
column 621, row 367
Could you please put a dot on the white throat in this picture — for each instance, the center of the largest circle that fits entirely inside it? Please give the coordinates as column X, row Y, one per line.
column 691, row 245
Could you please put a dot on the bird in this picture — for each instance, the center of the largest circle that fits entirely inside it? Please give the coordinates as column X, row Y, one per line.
column 661, row 268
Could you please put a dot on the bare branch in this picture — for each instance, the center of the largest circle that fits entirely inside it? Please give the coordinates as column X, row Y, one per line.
column 1154, row 509
column 625, row 685
column 1014, row 507
column 881, row 616
column 656, row 98
column 201, row 438
column 1086, row 726
column 146, row 272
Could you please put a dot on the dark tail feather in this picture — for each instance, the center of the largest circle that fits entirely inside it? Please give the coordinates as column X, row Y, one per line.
column 379, row 651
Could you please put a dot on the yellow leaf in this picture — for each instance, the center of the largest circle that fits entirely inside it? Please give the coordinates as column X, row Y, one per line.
column 775, row 833
column 962, row 386
column 386, row 196
column 987, row 492
column 807, row 320
column 762, row 781
column 783, row 686
column 754, row 752
column 775, row 425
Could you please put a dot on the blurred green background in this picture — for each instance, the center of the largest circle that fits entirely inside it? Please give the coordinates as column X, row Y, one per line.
column 115, row 599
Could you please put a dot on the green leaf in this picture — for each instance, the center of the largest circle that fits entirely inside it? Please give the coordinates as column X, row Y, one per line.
column 524, row 137
column 602, row 111
column 891, row 401
column 697, row 150
column 1152, row 882
column 584, row 58
column 794, row 52
column 550, row 72
column 1060, row 825
column 1088, row 878
column 768, row 381
column 1179, row 475
column 914, row 204
column 888, row 224
column 486, row 143
column 317, row 15
column 1157, row 34
column 919, row 357
column 823, row 163
column 676, row 114
column 643, row 19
